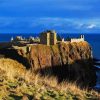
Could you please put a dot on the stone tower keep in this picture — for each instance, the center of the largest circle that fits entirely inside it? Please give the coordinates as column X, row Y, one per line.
column 48, row 38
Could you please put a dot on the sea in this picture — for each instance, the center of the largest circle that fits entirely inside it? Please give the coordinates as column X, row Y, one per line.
column 93, row 40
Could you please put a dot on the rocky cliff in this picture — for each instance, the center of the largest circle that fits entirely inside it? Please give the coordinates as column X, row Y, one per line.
column 66, row 61
column 71, row 61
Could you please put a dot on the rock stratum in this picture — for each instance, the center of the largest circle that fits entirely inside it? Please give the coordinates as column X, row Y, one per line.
column 71, row 61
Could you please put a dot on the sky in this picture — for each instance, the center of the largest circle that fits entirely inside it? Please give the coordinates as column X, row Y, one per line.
column 64, row 16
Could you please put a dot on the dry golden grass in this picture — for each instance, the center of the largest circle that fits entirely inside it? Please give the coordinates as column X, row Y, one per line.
column 12, row 68
column 41, row 85
column 72, row 88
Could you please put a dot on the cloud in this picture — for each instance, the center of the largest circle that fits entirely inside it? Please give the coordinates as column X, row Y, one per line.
column 35, row 15
column 91, row 26
column 34, row 24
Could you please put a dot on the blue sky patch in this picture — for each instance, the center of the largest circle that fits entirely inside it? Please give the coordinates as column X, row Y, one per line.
column 33, row 16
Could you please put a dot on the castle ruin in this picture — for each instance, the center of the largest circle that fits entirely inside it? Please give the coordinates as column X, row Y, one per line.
column 78, row 39
column 48, row 38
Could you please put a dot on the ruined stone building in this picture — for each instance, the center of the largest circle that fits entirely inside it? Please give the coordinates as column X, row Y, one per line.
column 48, row 38
column 78, row 39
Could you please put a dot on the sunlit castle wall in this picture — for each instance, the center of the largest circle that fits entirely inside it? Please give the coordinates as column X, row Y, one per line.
column 78, row 39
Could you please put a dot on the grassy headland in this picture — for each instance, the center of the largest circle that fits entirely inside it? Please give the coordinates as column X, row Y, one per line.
column 18, row 83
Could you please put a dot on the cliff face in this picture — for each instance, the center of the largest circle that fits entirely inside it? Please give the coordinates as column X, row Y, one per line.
column 72, row 61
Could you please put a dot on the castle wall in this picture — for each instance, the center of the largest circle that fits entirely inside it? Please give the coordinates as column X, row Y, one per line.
column 43, row 38
column 48, row 38
column 53, row 39
column 77, row 40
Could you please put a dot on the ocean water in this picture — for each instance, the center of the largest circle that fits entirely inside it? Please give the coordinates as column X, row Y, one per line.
column 93, row 39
